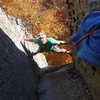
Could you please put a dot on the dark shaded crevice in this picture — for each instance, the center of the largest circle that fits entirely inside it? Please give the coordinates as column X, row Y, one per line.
column 35, row 67
column 18, row 80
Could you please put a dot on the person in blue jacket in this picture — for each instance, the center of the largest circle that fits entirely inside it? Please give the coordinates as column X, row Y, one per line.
column 89, row 48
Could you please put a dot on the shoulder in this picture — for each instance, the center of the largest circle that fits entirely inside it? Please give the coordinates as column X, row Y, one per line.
column 36, row 40
column 52, row 40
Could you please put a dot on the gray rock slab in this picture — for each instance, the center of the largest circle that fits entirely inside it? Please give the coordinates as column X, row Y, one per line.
column 18, row 76
column 64, row 84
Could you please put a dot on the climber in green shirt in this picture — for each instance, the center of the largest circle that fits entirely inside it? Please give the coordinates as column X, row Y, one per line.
column 47, row 44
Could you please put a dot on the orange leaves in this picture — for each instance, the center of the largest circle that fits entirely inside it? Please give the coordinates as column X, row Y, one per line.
column 49, row 4
column 53, row 24
column 34, row 13
column 18, row 8
column 58, row 58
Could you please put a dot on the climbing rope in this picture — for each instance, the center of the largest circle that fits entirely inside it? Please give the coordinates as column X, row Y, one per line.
column 79, row 40
column 83, row 37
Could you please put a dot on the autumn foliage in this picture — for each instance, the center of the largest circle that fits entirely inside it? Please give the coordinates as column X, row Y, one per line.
column 49, row 16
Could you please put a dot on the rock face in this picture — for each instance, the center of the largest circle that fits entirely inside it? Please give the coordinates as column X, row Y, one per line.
column 77, row 10
column 15, row 30
column 19, row 76
column 64, row 84
column 18, row 80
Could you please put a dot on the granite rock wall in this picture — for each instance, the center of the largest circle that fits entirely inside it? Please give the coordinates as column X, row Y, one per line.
column 77, row 9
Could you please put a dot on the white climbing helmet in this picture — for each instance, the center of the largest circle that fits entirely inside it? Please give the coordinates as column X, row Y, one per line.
column 41, row 35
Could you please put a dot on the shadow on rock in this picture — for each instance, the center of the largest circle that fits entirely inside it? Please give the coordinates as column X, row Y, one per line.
column 18, row 75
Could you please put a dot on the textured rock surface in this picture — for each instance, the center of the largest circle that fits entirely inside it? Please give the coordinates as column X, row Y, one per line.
column 15, row 30
column 77, row 10
column 18, row 77
column 64, row 84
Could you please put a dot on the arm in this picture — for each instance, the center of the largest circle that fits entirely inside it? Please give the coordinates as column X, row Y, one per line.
column 62, row 42
column 28, row 39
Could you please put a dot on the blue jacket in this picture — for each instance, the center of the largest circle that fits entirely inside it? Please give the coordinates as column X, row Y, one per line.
column 89, row 48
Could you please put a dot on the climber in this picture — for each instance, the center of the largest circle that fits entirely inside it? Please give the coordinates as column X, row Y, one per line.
column 47, row 44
